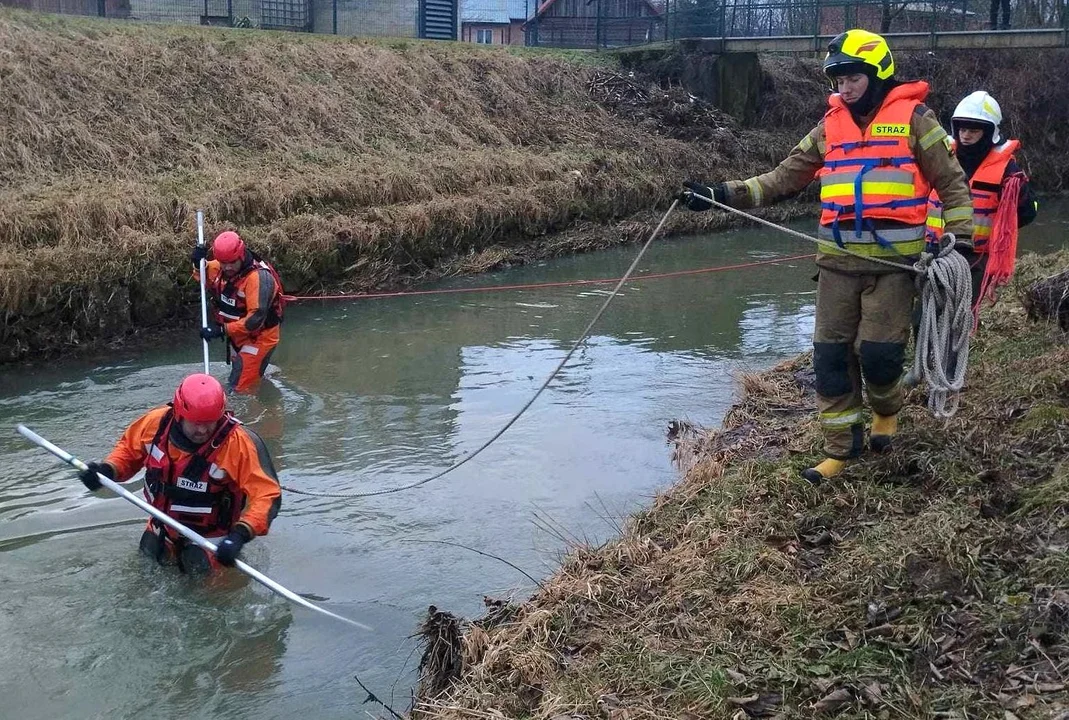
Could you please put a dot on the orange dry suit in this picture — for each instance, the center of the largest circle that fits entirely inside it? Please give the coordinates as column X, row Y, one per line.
column 212, row 488
column 249, row 307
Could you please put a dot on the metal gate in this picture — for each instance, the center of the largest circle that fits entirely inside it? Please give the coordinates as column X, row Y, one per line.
column 438, row 19
column 286, row 15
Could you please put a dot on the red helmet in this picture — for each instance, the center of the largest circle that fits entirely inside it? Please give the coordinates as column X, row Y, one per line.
column 228, row 247
column 200, row 399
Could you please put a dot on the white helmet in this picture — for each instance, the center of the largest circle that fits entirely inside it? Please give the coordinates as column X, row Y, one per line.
column 981, row 107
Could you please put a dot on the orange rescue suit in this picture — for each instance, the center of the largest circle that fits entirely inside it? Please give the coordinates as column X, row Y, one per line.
column 232, row 484
column 249, row 307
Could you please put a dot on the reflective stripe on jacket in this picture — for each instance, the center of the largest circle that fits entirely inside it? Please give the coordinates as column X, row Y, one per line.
column 240, row 462
column 985, row 188
column 231, row 295
column 872, row 175
column 193, row 489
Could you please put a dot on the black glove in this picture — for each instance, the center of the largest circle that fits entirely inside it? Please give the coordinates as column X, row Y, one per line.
column 89, row 477
column 228, row 550
column 694, row 195
column 212, row 332
column 200, row 252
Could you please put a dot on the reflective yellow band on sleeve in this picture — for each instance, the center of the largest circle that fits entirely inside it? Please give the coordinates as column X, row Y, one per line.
column 931, row 137
column 756, row 193
column 956, row 214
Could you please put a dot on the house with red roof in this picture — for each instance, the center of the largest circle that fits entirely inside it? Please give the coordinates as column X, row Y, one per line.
column 596, row 23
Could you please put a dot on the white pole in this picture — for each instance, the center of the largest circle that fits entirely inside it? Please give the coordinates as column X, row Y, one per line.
column 203, row 287
column 179, row 527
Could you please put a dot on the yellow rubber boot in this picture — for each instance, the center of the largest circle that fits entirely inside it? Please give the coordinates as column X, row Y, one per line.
column 827, row 469
column 883, row 432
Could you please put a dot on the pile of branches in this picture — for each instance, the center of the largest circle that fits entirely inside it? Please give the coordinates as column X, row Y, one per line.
column 442, row 661
column 669, row 110
column 1048, row 299
column 614, row 88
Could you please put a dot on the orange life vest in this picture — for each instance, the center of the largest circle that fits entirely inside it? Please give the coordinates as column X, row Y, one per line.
column 873, row 175
column 985, row 187
column 195, row 491
column 231, row 304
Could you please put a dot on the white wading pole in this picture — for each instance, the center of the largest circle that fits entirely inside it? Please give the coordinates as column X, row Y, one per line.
column 179, row 527
column 203, row 287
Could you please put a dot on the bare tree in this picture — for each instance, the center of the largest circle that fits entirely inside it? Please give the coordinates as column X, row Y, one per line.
column 889, row 11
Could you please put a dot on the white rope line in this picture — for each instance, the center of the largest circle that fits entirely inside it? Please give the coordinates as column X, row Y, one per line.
column 944, row 284
column 560, row 366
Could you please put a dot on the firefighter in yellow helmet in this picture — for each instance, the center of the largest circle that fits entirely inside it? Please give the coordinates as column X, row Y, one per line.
column 879, row 151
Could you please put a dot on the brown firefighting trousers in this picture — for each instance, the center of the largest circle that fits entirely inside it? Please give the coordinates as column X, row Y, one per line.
column 862, row 326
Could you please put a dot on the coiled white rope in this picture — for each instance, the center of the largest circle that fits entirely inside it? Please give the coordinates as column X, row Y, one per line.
column 945, row 288
column 942, row 343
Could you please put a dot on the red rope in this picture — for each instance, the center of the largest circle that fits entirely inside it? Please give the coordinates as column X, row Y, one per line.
column 562, row 283
column 1002, row 247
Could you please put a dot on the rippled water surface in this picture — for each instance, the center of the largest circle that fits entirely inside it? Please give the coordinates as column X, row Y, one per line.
column 373, row 394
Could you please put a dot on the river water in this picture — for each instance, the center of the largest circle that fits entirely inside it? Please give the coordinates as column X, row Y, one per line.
column 367, row 395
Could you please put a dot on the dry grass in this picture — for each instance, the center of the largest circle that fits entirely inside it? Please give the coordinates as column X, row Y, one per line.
column 350, row 163
column 927, row 583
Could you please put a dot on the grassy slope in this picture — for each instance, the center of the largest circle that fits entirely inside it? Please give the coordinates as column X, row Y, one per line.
column 358, row 164
column 346, row 161
column 932, row 580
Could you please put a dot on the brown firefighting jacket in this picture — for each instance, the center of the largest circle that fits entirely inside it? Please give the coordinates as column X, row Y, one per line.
column 935, row 158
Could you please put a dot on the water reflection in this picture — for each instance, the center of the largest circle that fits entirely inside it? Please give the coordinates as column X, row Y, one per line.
column 370, row 395
column 124, row 636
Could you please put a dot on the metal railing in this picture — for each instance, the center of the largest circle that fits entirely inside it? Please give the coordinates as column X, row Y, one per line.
column 600, row 24
column 596, row 24
column 756, row 18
